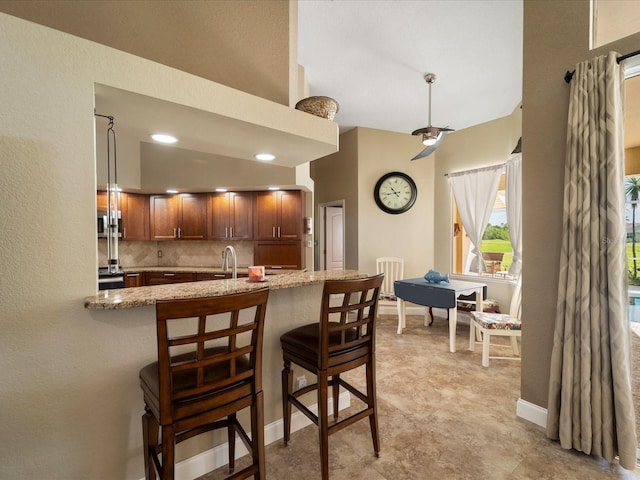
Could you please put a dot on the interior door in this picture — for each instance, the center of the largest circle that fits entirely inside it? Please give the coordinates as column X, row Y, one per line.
column 334, row 252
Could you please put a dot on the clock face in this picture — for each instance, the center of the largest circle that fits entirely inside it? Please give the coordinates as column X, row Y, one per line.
column 395, row 192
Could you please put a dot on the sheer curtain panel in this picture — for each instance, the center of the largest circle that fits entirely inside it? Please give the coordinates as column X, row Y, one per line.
column 475, row 194
column 513, row 169
column 590, row 400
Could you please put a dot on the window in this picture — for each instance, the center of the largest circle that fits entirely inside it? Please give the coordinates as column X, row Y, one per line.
column 487, row 219
column 496, row 241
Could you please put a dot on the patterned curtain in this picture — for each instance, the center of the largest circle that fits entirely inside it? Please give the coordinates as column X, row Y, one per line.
column 590, row 400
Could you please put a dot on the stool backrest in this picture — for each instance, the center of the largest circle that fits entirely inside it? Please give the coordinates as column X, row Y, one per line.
column 207, row 346
column 348, row 317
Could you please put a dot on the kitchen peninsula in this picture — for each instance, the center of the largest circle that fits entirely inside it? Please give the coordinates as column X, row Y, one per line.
column 294, row 300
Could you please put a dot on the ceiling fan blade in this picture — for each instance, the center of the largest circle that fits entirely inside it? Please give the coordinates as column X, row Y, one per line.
column 431, row 148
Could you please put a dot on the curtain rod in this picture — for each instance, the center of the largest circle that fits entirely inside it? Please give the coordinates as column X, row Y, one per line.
column 569, row 75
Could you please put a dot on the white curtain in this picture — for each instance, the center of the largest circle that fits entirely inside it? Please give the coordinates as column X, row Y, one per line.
column 513, row 169
column 590, row 400
column 475, row 194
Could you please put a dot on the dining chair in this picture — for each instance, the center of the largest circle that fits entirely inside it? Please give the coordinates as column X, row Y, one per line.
column 343, row 340
column 484, row 325
column 209, row 368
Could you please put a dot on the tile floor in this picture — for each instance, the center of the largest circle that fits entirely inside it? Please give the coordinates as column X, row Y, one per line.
column 442, row 416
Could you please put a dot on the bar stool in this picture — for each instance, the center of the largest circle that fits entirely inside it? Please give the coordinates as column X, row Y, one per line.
column 344, row 339
column 209, row 367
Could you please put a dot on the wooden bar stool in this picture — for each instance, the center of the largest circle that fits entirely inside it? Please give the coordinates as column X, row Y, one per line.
column 344, row 339
column 209, row 367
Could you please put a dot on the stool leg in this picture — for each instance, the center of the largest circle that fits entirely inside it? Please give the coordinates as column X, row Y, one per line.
column 486, row 338
column 257, row 435
column 168, row 451
column 323, row 422
column 231, row 435
column 371, row 400
column 336, row 394
column 149, row 438
column 287, row 386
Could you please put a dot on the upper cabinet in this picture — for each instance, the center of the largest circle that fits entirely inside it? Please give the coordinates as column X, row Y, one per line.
column 182, row 216
column 231, row 216
column 278, row 215
column 135, row 216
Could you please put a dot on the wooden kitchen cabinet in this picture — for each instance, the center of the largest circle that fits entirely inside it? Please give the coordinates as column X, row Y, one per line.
column 182, row 216
column 133, row 280
column 163, row 278
column 278, row 215
column 231, row 216
column 135, row 216
column 287, row 255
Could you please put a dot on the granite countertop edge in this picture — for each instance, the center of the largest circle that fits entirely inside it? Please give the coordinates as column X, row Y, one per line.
column 122, row 298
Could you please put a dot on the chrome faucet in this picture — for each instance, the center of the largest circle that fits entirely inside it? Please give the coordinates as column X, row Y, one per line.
column 234, row 260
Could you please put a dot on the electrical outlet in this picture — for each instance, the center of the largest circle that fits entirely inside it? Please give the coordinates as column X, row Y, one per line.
column 159, row 253
column 301, row 382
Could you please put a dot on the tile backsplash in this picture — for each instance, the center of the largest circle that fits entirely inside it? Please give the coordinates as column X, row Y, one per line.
column 176, row 253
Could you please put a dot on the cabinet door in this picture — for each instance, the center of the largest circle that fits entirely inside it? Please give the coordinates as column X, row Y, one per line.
column 135, row 216
column 240, row 215
column 290, row 215
column 163, row 217
column 279, row 254
column 219, row 216
column 133, row 280
column 265, row 219
column 192, row 216
column 163, row 278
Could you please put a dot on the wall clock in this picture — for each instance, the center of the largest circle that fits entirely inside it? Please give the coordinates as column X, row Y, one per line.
column 395, row 192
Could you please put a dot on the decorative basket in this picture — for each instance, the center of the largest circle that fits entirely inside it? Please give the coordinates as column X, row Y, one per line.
column 325, row 107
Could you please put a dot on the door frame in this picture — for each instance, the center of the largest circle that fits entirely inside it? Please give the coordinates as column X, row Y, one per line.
column 322, row 215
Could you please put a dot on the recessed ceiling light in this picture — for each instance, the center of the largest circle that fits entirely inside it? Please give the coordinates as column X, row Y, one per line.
column 221, row 189
column 172, row 190
column 266, row 157
column 274, row 188
column 164, row 138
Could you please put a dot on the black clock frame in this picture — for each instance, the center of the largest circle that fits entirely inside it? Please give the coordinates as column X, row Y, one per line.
column 412, row 200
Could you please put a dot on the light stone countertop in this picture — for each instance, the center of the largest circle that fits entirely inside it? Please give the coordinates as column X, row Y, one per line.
column 211, row 269
column 120, row 298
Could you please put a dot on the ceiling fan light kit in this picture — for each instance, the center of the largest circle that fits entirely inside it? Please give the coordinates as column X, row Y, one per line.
column 431, row 136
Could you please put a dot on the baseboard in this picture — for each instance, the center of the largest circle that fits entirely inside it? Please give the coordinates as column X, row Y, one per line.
column 198, row 465
column 531, row 412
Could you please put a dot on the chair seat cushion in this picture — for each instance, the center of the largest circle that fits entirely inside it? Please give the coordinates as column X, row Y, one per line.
column 496, row 321
column 307, row 338
column 387, row 297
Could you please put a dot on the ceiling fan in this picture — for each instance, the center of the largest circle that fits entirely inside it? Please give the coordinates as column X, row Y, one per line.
column 431, row 136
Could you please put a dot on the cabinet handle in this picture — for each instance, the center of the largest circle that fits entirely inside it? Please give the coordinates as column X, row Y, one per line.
column 226, row 232
column 124, row 233
column 179, row 232
column 174, row 232
column 273, row 232
column 279, row 236
column 133, row 274
column 230, row 232
column 169, row 274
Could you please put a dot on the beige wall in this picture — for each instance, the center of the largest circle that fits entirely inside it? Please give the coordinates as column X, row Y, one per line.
column 71, row 403
column 336, row 180
column 556, row 37
column 208, row 39
column 410, row 234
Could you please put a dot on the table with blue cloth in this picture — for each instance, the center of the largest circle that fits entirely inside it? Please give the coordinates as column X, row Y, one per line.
column 439, row 295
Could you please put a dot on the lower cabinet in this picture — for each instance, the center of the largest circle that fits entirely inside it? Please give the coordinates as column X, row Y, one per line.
column 279, row 254
column 163, row 278
column 133, row 280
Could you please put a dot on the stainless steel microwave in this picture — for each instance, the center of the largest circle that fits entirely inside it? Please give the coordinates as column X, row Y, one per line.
column 103, row 221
